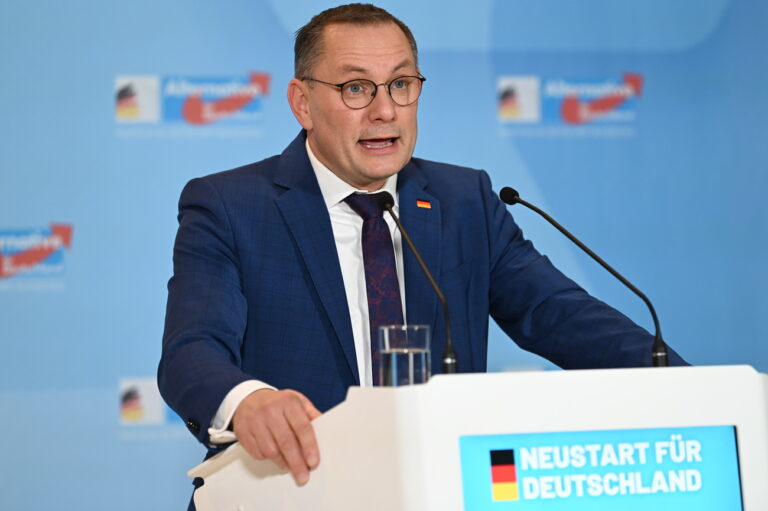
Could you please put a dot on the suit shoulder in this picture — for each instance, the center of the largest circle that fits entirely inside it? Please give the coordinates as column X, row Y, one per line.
column 241, row 184
column 451, row 178
column 263, row 169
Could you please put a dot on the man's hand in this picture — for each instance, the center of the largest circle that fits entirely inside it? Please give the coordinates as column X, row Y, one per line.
column 275, row 425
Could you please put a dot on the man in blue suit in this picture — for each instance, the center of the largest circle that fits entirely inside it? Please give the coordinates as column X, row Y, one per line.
column 267, row 322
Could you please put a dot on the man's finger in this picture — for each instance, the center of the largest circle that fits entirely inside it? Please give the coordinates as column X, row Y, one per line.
column 266, row 446
column 289, row 447
column 302, row 427
column 265, row 441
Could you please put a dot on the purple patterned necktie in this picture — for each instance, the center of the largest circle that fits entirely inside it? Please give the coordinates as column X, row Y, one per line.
column 384, row 304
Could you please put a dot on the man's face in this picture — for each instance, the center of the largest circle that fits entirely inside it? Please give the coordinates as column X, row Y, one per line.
column 366, row 146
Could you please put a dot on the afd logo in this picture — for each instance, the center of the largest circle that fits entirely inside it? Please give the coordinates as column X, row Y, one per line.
column 34, row 252
column 193, row 100
column 588, row 101
column 212, row 99
column 569, row 101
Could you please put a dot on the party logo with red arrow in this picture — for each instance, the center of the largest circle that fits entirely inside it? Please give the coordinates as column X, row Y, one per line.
column 207, row 100
column 608, row 100
column 34, row 252
column 603, row 101
column 558, row 106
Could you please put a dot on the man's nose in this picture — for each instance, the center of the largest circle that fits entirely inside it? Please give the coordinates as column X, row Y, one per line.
column 383, row 107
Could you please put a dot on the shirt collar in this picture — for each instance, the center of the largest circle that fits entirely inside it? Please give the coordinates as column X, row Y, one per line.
column 335, row 190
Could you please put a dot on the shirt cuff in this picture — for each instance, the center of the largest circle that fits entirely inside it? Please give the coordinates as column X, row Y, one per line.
column 219, row 432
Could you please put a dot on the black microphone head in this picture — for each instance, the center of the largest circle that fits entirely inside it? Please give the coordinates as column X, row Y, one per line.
column 509, row 195
column 385, row 200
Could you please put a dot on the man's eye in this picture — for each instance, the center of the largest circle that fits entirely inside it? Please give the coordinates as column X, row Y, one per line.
column 355, row 88
column 400, row 84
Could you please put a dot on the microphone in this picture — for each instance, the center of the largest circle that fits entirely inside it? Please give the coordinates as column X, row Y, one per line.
column 450, row 363
column 659, row 355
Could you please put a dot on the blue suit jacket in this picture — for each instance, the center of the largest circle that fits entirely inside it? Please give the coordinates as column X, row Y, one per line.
column 257, row 290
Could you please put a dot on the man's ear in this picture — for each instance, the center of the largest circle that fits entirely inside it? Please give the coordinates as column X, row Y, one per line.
column 298, row 99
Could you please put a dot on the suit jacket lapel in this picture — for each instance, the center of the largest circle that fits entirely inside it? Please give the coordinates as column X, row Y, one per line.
column 423, row 226
column 306, row 215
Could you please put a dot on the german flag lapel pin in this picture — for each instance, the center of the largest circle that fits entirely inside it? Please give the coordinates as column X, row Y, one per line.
column 425, row 204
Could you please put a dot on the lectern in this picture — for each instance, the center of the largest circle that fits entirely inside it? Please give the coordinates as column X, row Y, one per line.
column 672, row 438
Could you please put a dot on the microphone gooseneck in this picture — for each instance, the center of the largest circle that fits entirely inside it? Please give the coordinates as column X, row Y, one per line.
column 450, row 363
column 659, row 353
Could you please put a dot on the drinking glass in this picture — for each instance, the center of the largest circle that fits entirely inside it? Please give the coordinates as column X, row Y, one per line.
column 404, row 351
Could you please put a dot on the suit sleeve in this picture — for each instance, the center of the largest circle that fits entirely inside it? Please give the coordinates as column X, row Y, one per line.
column 546, row 313
column 206, row 311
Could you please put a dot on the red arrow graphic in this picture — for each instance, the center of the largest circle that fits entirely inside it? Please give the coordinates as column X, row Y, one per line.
column 196, row 111
column 10, row 265
column 575, row 111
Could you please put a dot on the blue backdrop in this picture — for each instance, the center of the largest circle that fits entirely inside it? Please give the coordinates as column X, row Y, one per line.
column 639, row 125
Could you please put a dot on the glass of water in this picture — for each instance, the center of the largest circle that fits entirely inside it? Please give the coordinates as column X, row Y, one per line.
column 404, row 351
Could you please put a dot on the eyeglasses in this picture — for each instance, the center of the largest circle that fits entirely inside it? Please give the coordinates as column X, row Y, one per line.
column 359, row 93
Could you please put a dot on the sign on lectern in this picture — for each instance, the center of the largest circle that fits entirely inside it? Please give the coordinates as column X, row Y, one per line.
column 629, row 439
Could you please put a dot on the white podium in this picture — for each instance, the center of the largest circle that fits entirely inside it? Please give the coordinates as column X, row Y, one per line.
column 406, row 448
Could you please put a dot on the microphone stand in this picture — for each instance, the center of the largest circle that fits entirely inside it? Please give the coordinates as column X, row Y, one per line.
column 450, row 363
column 659, row 353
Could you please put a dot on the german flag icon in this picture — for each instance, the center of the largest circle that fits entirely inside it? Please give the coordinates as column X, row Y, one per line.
column 503, row 475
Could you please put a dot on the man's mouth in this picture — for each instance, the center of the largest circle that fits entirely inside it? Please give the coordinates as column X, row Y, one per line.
column 378, row 143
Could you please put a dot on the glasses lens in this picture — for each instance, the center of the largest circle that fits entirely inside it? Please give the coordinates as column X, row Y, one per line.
column 358, row 93
column 405, row 90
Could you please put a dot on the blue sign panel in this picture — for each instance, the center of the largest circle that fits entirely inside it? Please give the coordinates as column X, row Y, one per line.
column 675, row 468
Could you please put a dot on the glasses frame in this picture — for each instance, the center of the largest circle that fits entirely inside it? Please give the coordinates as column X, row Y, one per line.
column 376, row 86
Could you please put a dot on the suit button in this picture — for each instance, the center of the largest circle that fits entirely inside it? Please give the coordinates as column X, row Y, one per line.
column 193, row 426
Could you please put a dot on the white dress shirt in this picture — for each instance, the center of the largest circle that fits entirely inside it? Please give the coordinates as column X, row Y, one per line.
column 347, row 233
